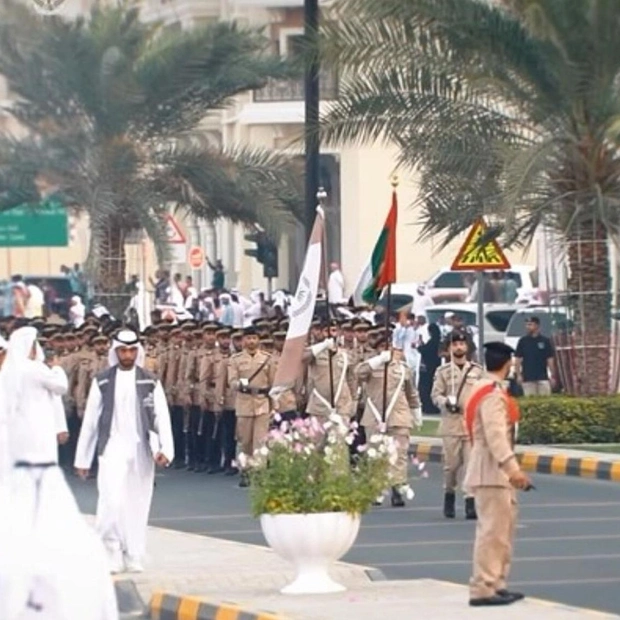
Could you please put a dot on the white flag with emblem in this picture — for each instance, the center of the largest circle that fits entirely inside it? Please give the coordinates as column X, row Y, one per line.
column 290, row 364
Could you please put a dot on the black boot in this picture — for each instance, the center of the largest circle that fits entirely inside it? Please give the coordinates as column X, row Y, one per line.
column 397, row 498
column 470, row 509
column 244, row 480
column 449, row 499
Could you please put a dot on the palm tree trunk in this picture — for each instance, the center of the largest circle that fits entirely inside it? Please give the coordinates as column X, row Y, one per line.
column 110, row 276
column 584, row 353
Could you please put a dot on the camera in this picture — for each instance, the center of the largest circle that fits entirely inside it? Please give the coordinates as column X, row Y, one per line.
column 452, row 405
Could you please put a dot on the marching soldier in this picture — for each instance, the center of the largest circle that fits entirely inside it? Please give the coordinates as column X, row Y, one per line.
column 402, row 408
column 362, row 352
column 225, row 401
column 328, row 377
column 494, row 475
column 251, row 375
column 451, row 388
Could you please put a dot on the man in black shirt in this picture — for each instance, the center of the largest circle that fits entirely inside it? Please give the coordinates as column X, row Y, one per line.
column 535, row 361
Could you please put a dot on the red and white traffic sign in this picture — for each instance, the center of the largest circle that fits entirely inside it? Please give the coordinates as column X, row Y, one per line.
column 174, row 234
column 196, row 257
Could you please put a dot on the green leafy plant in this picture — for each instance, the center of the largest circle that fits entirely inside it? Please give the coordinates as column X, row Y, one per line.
column 561, row 419
column 305, row 467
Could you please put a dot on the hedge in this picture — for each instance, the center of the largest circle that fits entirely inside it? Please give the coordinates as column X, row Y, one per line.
column 569, row 420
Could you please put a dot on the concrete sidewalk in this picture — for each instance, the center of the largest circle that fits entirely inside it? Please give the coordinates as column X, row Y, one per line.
column 540, row 459
column 242, row 581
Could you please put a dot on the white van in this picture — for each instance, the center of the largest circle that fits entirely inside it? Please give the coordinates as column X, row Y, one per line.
column 447, row 285
column 496, row 317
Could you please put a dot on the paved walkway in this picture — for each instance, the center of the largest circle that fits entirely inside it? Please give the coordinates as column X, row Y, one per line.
column 223, row 572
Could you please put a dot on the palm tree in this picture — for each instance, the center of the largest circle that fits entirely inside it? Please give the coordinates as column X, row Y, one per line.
column 113, row 110
column 506, row 109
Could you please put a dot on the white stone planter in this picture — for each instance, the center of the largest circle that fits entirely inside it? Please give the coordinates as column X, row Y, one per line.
column 312, row 543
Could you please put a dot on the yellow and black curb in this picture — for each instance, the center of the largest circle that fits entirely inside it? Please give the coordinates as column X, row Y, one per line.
column 165, row 606
column 558, row 464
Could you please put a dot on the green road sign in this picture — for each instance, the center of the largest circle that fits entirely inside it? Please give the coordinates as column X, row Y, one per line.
column 42, row 225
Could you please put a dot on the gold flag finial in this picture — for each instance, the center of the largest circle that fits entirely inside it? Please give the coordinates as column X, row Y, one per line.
column 394, row 180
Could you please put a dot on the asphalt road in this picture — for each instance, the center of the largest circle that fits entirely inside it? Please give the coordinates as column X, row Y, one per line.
column 568, row 540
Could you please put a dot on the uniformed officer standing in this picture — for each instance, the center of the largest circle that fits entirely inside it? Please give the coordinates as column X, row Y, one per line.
column 402, row 407
column 328, row 377
column 225, row 401
column 493, row 473
column 251, row 374
column 451, row 388
column 171, row 388
column 151, row 351
column 206, row 445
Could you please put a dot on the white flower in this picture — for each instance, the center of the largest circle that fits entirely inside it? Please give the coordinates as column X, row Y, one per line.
column 264, row 451
column 307, row 449
column 350, row 438
column 372, row 453
column 242, row 459
column 329, row 451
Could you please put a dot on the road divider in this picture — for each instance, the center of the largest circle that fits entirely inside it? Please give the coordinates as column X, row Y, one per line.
column 164, row 606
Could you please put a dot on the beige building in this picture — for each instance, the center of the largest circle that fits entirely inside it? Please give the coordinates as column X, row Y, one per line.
column 357, row 179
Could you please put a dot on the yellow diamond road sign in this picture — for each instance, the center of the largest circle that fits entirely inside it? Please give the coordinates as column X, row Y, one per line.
column 476, row 257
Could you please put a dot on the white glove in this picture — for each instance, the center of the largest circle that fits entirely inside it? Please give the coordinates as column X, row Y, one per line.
column 380, row 360
column 244, row 383
column 317, row 349
column 417, row 417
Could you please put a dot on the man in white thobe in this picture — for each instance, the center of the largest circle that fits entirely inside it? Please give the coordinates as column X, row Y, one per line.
column 48, row 551
column 127, row 423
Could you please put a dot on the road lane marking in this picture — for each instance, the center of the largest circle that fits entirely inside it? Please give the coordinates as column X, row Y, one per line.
column 519, row 540
column 522, row 507
column 515, row 559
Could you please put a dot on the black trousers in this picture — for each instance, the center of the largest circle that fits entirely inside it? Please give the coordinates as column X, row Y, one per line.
column 196, row 447
column 228, row 422
column 213, row 439
column 66, row 453
column 176, row 418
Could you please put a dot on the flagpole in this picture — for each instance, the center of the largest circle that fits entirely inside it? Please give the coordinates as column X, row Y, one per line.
column 321, row 196
column 388, row 331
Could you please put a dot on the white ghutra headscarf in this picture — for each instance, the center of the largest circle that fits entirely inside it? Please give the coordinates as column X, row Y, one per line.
column 126, row 338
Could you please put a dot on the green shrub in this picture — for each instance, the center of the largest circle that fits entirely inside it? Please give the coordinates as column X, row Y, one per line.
column 569, row 420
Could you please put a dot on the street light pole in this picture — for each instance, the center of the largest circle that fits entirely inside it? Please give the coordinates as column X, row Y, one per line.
column 311, row 101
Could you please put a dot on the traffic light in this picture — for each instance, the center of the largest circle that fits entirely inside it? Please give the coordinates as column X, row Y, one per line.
column 265, row 252
column 270, row 260
column 257, row 237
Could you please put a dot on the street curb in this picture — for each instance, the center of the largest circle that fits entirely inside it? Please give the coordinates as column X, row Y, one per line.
column 559, row 465
column 164, row 606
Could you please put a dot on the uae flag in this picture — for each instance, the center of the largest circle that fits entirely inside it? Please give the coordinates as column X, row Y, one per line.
column 290, row 365
column 381, row 269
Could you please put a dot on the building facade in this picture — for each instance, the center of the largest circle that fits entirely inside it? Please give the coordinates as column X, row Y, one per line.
column 357, row 179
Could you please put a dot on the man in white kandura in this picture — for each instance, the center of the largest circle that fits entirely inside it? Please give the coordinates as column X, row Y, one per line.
column 127, row 422
column 48, row 552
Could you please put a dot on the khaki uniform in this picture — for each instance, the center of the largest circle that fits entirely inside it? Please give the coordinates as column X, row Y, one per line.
column 319, row 385
column 225, row 397
column 252, row 405
column 183, row 386
column 456, row 443
column 86, row 371
column 206, row 379
column 402, row 397
column 171, row 363
column 152, row 359
column 491, row 463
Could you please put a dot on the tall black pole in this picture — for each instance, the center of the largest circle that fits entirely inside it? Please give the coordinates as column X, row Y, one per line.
column 311, row 100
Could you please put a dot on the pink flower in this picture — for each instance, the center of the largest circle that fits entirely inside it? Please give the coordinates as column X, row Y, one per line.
column 277, row 417
column 414, row 460
column 362, row 448
column 298, row 448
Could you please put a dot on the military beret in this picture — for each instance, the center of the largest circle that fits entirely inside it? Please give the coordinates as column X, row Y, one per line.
column 457, row 336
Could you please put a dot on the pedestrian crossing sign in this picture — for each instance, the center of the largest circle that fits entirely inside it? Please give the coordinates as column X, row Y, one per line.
column 473, row 256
